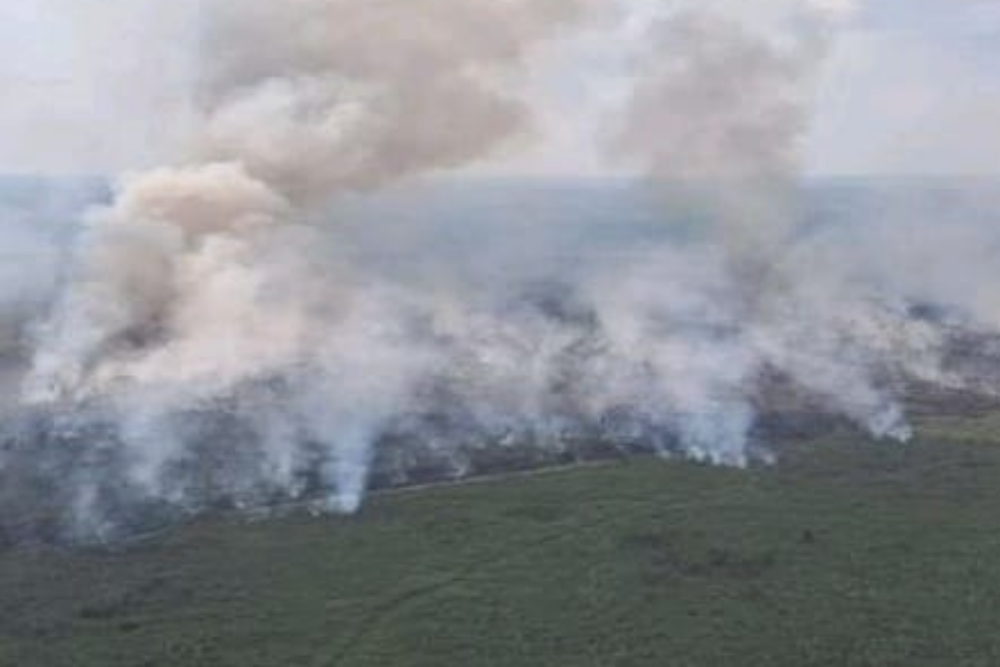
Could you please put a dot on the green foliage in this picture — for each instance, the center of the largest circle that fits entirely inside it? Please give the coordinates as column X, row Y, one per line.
column 846, row 554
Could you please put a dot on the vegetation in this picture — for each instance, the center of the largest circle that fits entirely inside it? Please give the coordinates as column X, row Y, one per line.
column 846, row 554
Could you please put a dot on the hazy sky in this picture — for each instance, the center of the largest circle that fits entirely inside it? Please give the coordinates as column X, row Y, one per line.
column 913, row 87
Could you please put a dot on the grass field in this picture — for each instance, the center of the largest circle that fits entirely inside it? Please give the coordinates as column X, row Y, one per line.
column 843, row 555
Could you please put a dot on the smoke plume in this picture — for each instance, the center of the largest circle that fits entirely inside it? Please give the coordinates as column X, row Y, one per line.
column 199, row 279
column 720, row 108
column 217, row 337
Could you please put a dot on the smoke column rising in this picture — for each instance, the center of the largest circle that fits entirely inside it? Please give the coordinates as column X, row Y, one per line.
column 720, row 108
column 237, row 350
column 189, row 284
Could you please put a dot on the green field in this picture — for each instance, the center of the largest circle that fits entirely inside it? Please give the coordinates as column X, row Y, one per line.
column 846, row 554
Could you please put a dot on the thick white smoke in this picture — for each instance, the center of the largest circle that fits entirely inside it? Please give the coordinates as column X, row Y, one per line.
column 720, row 108
column 197, row 279
column 234, row 347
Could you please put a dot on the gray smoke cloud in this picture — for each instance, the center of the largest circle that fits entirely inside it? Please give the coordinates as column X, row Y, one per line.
column 721, row 105
column 219, row 338
column 325, row 108
column 200, row 279
column 354, row 95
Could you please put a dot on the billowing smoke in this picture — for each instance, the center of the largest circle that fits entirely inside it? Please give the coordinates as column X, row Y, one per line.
column 333, row 103
column 203, row 279
column 222, row 337
column 721, row 106
column 719, row 112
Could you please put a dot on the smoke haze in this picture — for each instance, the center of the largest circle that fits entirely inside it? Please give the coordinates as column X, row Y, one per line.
column 231, row 329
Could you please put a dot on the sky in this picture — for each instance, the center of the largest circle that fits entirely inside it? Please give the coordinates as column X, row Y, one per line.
column 912, row 87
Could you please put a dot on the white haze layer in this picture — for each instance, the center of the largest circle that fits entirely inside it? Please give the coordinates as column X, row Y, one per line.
column 216, row 283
